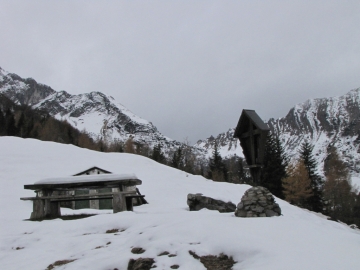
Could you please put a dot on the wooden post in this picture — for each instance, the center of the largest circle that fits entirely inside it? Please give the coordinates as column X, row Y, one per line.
column 94, row 204
column 52, row 209
column 38, row 209
column 119, row 202
column 129, row 204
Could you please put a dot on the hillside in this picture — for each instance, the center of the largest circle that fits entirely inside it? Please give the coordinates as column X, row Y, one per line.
column 296, row 240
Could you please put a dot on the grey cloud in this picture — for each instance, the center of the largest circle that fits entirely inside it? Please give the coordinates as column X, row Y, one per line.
column 190, row 67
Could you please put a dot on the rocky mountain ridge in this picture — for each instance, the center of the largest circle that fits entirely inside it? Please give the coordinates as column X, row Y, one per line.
column 96, row 113
column 323, row 122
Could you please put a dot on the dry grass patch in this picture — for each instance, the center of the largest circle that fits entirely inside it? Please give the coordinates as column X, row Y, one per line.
column 115, row 230
column 211, row 262
column 59, row 263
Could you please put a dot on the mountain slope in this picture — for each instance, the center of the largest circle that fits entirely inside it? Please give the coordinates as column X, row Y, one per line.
column 101, row 116
column 323, row 122
column 23, row 91
column 228, row 145
column 96, row 113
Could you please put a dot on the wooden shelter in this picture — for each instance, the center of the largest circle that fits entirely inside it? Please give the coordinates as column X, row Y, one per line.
column 53, row 191
column 94, row 204
column 252, row 133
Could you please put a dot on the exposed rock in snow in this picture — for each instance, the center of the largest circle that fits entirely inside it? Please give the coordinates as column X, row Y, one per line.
column 197, row 202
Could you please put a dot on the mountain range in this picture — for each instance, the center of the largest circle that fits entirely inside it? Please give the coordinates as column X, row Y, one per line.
column 323, row 122
column 96, row 113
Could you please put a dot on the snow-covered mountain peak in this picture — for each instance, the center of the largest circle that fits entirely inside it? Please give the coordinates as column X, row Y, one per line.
column 3, row 73
column 23, row 91
column 97, row 113
column 323, row 122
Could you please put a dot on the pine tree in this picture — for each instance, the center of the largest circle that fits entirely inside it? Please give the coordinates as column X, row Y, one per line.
column 189, row 162
column 297, row 184
column 157, row 154
column 177, row 159
column 218, row 171
column 315, row 202
column 21, row 125
column 337, row 188
column 11, row 129
column 236, row 171
column 2, row 124
column 275, row 163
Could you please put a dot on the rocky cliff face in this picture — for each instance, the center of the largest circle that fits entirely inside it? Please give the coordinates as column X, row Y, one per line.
column 323, row 122
column 23, row 91
column 98, row 114
column 228, row 145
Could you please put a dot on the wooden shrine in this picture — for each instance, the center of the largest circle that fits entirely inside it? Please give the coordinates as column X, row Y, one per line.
column 252, row 133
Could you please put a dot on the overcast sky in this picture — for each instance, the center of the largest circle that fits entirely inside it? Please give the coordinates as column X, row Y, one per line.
column 189, row 67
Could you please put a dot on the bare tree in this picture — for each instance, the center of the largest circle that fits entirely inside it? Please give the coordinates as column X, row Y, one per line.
column 129, row 146
column 297, row 185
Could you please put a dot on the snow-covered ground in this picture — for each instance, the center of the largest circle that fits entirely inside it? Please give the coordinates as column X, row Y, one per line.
column 297, row 240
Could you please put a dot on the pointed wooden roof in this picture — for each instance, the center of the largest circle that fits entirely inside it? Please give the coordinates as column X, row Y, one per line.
column 255, row 119
column 90, row 169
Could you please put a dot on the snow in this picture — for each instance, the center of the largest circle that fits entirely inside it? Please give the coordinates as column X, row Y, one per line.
column 299, row 239
column 86, row 178
column 355, row 181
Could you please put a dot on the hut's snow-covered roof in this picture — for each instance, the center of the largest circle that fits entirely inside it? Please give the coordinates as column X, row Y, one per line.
column 86, row 178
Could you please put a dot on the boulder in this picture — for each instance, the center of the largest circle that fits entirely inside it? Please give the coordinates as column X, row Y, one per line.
column 197, row 202
column 141, row 264
column 257, row 202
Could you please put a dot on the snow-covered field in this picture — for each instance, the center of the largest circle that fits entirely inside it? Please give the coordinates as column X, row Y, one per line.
column 297, row 240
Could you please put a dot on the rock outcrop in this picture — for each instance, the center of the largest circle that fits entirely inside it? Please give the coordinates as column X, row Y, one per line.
column 257, row 202
column 221, row 262
column 197, row 202
column 141, row 264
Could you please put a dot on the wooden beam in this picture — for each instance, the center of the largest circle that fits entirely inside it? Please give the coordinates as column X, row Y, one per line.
column 248, row 134
column 87, row 185
column 87, row 196
column 119, row 203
